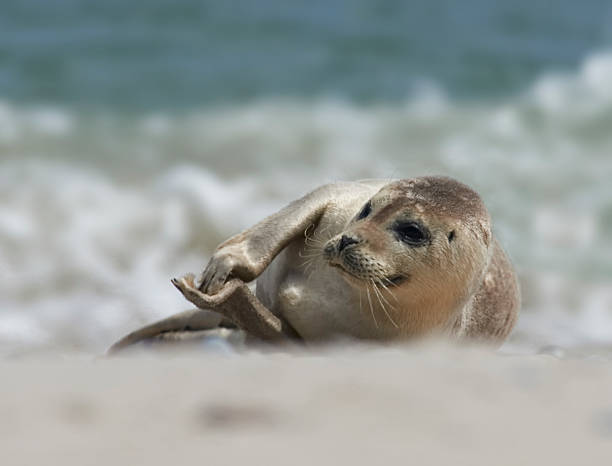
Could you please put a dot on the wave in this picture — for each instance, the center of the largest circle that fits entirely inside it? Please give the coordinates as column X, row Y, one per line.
column 98, row 210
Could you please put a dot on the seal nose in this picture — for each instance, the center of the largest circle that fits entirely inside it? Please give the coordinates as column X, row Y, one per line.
column 346, row 241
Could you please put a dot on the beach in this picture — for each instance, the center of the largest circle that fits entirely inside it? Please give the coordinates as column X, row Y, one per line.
column 419, row 404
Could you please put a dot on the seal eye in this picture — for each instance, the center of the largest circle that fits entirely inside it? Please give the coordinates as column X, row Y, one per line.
column 412, row 233
column 365, row 211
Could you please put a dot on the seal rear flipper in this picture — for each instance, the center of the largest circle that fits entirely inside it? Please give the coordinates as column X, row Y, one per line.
column 190, row 320
column 234, row 307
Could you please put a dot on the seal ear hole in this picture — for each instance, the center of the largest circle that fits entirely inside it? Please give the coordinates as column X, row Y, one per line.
column 451, row 236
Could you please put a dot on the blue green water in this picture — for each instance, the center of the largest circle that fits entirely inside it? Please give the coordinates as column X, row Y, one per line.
column 135, row 136
column 165, row 54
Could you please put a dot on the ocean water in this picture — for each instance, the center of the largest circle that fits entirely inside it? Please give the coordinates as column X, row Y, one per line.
column 134, row 139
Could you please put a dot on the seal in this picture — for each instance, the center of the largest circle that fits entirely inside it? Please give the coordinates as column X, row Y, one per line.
column 377, row 260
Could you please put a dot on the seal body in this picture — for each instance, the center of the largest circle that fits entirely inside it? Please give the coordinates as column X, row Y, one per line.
column 312, row 296
column 378, row 260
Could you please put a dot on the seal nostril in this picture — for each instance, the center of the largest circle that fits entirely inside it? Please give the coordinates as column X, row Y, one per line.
column 346, row 241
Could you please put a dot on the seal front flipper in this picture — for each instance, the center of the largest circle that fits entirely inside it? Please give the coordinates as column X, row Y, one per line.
column 236, row 302
column 247, row 254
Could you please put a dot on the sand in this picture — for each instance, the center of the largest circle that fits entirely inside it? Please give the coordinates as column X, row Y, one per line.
column 412, row 405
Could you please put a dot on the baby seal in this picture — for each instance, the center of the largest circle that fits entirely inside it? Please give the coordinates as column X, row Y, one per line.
column 372, row 260
column 378, row 260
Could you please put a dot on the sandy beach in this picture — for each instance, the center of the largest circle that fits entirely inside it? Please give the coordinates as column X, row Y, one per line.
column 411, row 405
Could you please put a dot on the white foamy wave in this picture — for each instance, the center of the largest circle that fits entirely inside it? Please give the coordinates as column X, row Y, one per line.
column 565, row 313
column 97, row 211
column 42, row 121
column 84, row 257
column 585, row 94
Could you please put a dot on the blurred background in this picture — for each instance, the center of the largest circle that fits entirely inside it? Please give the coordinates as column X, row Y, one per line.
column 134, row 136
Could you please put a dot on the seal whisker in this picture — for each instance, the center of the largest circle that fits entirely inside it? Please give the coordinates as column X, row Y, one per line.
column 370, row 302
column 386, row 288
column 382, row 296
column 310, row 256
column 312, row 225
column 317, row 242
column 308, row 267
column 378, row 295
column 309, row 277
column 360, row 310
column 309, row 260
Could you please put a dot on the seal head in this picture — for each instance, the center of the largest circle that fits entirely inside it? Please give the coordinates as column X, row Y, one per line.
column 423, row 242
